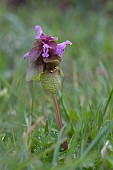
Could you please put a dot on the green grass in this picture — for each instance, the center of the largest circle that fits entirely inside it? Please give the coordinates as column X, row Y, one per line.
column 85, row 98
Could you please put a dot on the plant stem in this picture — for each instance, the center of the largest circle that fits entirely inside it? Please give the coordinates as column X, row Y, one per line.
column 65, row 144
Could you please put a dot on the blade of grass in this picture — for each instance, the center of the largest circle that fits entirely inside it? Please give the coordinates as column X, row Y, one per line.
column 9, row 86
column 102, row 132
column 107, row 104
column 56, row 151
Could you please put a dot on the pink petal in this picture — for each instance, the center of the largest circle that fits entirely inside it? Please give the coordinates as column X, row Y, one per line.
column 45, row 50
column 39, row 29
column 26, row 55
column 61, row 48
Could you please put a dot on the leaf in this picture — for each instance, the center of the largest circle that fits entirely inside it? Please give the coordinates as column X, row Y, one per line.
column 54, row 59
column 34, row 53
column 2, row 146
column 60, row 71
column 34, row 72
column 107, row 104
column 56, row 151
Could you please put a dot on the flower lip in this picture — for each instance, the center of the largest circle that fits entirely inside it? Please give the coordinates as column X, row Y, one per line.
column 68, row 42
column 61, row 47
column 26, row 55
column 45, row 50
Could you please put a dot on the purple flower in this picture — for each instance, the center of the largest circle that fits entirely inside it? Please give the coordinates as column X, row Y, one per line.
column 45, row 47
column 45, row 50
column 26, row 55
column 45, row 55
column 39, row 29
column 61, row 48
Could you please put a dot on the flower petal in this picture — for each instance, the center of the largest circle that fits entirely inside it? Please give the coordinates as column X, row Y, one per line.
column 26, row 55
column 45, row 50
column 61, row 48
column 55, row 38
column 68, row 42
column 39, row 29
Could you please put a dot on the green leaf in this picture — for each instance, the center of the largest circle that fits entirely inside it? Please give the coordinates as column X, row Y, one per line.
column 2, row 146
column 34, row 72
column 60, row 71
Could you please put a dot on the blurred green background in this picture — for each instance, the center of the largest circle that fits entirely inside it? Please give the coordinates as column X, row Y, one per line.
column 87, row 66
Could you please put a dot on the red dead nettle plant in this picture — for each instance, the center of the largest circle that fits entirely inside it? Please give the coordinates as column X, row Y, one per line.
column 45, row 57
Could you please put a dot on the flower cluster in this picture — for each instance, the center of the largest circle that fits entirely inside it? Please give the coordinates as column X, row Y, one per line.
column 46, row 53
column 46, row 46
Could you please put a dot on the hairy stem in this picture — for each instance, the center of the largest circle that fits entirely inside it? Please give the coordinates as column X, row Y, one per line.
column 65, row 144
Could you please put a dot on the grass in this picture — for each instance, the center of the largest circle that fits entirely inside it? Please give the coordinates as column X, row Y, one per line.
column 85, row 98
